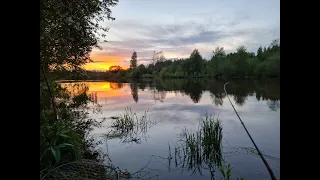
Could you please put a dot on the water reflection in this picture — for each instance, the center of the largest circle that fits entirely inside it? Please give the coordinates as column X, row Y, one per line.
column 134, row 91
column 116, row 85
column 179, row 103
column 273, row 105
column 159, row 95
column 142, row 86
column 94, row 97
column 75, row 89
column 194, row 90
column 240, row 90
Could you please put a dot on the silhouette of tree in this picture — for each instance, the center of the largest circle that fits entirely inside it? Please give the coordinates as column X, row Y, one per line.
column 133, row 61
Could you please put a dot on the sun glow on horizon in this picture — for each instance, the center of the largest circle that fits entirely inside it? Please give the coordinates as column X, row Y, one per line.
column 103, row 63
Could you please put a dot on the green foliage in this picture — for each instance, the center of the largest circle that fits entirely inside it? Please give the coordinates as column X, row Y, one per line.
column 202, row 148
column 260, row 54
column 212, row 139
column 125, row 121
column 65, row 139
column 147, row 76
column 70, row 29
column 163, row 72
column 129, row 127
column 194, row 64
column 226, row 172
column 68, row 32
column 273, row 66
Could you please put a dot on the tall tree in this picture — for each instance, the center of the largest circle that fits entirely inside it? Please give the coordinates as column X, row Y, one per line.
column 196, row 61
column 194, row 64
column 260, row 54
column 241, row 62
column 218, row 52
column 133, row 61
column 241, row 50
column 70, row 29
column 213, row 66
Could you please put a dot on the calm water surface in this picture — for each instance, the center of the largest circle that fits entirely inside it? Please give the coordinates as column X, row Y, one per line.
column 175, row 104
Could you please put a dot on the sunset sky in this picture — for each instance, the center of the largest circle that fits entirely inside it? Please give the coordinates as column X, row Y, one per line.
column 176, row 27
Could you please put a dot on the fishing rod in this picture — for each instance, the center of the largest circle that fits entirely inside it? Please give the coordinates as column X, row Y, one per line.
column 273, row 177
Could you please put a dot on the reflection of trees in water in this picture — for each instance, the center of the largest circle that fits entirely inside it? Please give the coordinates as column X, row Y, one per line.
column 217, row 98
column 269, row 89
column 75, row 89
column 134, row 91
column 94, row 97
column 239, row 100
column 273, row 105
column 159, row 95
column 216, row 92
column 194, row 88
column 266, row 90
column 142, row 86
column 258, row 96
column 239, row 89
column 116, row 85
column 195, row 95
column 79, row 92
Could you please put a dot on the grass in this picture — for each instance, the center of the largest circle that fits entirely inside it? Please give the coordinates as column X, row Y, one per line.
column 212, row 140
column 129, row 127
column 202, row 149
column 128, row 120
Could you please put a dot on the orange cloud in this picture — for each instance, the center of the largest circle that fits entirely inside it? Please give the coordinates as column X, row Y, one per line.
column 103, row 63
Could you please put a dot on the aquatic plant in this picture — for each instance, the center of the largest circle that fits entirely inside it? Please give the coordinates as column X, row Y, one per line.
column 202, row 149
column 129, row 127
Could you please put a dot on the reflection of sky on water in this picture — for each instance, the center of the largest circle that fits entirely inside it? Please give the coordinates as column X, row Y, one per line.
column 178, row 110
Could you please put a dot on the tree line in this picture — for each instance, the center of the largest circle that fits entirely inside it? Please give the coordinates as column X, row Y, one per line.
column 240, row 64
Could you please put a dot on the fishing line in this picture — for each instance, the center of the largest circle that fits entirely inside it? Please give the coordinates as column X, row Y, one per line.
column 263, row 159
